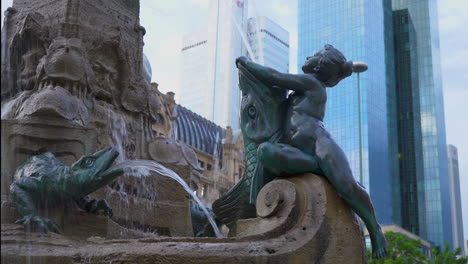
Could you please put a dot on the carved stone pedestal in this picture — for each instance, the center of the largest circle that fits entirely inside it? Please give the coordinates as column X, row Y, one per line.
column 301, row 220
column 22, row 138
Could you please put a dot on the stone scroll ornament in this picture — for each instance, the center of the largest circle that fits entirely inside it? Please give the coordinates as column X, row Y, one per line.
column 284, row 135
column 43, row 182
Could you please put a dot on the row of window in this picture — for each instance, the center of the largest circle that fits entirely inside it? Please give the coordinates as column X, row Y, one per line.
column 275, row 37
column 194, row 45
column 202, row 164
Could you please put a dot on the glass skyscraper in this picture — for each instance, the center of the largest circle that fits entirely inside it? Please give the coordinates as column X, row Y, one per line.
column 356, row 28
column 432, row 187
column 269, row 43
column 209, row 76
column 455, row 198
column 404, row 165
column 195, row 75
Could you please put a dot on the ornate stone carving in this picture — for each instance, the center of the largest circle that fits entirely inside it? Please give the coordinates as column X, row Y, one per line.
column 73, row 82
column 302, row 221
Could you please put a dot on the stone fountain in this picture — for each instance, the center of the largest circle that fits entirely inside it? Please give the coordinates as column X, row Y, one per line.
column 73, row 82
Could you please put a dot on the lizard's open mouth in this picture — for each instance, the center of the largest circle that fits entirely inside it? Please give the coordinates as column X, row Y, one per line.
column 111, row 173
column 108, row 172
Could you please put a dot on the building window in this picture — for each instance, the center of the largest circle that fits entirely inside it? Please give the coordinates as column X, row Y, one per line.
column 209, row 167
column 203, row 191
column 274, row 37
column 201, row 163
column 194, row 45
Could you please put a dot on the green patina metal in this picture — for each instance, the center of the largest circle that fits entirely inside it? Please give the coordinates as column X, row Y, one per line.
column 284, row 135
column 44, row 182
column 262, row 112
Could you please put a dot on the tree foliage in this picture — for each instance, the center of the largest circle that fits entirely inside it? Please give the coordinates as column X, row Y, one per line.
column 402, row 250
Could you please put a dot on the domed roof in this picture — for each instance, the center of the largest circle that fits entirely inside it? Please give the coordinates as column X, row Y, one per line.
column 197, row 131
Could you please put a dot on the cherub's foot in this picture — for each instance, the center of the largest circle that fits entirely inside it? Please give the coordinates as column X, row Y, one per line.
column 379, row 245
column 38, row 224
column 94, row 206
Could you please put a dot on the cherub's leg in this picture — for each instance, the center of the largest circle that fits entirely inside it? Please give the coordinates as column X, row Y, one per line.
column 283, row 158
column 335, row 167
column 27, row 208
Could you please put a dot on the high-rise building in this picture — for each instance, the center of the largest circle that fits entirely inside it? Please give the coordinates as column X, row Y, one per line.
column 408, row 124
column 455, row 197
column 404, row 161
column 227, row 41
column 356, row 28
column 195, row 94
column 209, row 76
column 420, row 17
column 209, row 85
column 269, row 43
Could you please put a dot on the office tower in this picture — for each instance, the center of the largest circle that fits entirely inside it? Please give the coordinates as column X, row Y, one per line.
column 194, row 93
column 346, row 25
column 404, row 161
column 209, row 76
column 408, row 123
column 455, row 197
column 227, row 41
column 269, row 43
column 421, row 17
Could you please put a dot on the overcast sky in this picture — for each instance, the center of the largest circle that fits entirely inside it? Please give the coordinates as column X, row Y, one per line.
column 166, row 21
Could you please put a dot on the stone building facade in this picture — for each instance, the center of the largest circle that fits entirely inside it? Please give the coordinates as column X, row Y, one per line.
column 219, row 160
column 220, row 152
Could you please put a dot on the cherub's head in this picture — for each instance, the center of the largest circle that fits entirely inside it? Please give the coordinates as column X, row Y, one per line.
column 329, row 65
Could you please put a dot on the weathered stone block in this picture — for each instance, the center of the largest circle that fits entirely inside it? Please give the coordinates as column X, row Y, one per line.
column 301, row 220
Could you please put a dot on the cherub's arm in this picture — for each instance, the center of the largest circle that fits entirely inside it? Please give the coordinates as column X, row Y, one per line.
column 274, row 77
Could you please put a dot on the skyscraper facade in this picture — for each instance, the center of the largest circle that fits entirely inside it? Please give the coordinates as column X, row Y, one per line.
column 195, row 75
column 209, row 76
column 346, row 25
column 227, row 41
column 269, row 43
column 209, row 79
column 434, row 214
column 455, row 197
column 408, row 124
column 404, row 161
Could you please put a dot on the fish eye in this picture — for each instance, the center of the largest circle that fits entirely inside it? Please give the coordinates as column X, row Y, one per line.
column 89, row 162
column 252, row 111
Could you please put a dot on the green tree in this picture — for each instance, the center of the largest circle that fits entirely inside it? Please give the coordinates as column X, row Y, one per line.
column 403, row 250
column 448, row 257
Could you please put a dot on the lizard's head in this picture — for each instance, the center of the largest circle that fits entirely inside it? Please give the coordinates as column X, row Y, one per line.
column 93, row 171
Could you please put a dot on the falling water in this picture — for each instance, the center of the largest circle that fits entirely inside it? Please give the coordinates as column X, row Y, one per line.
column 6, row 108
column 144, row 166
column 119, row 134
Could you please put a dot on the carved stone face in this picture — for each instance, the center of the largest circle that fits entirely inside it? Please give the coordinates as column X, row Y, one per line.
column 65, row 59
column 65, row 65
column 63, row 84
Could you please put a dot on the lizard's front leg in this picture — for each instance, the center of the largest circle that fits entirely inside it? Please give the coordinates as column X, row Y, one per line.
column 27, row 208
column 94, row 206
